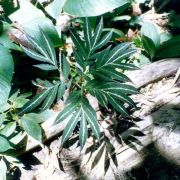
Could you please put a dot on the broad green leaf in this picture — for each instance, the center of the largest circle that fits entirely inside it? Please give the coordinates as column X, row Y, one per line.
column 20, row 100
column 40, row 117
column 149, row 46
column 170, row 48
column 4, row 107
column 6, row 74
column 4, row 38
column 85, row 8
column 165, row 36
column 71, row 126
column 4, row 144
column 54, row 8
column 116, row 33
column 32, row 128
column 9, row 129
column 149, row 30
column 31, row 18
column 14, row 96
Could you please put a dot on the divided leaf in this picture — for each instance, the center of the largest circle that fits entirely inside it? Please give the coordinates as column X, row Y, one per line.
column 113, row 92
column 46, row 97
column 78, row 109
column 42, row 50
column 5, row 144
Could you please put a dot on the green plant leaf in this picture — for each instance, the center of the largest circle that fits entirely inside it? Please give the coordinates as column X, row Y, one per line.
column 47, row 43
column 33, row 18
column 77, row 108
column 44, row 52
column 18, row 100
column 45, row 67
column 78, row 44
column 101, row 57
column 83, row 129
column 150, row 31
column 79, row 60
column 112, row 92
column 32, row 128
column 36, row 101
column 124, row 66
column 87, row 35
column 65, row 68
column 4, row 38
column 46, row 97
column 61, row 91
column 106, row 38
column 6, row 74
column 9, row 129
column 40, row 117
column 109, row 57
column 5, row 145
column 149, row 46
column 85, row 8
column 112, row 74
column 97, row 33
column 71, row 106
column 117, row 105
column 50, row 98
column 170, row 48
column 71, row 126
column 54, row 8
column 91, row 117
